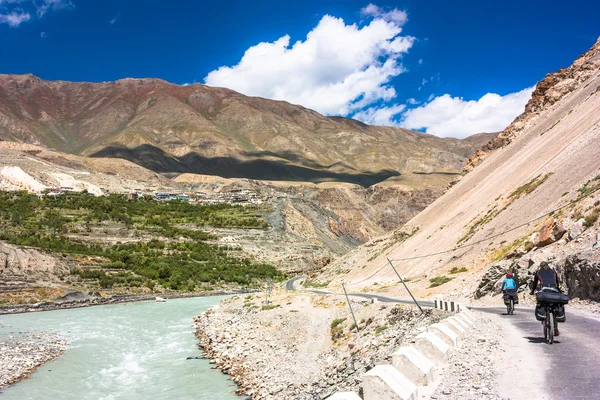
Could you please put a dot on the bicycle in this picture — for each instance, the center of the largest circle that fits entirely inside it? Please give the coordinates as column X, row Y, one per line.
column 550, row 299
column 509, row 301
column 549, row 322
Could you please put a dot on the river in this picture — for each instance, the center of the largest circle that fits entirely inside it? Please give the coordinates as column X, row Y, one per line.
column 121, row 351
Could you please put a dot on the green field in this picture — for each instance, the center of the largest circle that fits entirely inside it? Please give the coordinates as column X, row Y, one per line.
column 163, row 242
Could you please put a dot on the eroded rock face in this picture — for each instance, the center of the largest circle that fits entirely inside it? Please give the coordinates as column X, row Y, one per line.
column 26, row 263
column 582, row 274
column 548, row 91
column 489, row 281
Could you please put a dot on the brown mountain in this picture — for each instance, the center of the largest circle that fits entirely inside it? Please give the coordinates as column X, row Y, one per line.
column 199, row 129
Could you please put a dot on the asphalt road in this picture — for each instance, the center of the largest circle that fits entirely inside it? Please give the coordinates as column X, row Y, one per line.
column 292, row 285
column 569, row 368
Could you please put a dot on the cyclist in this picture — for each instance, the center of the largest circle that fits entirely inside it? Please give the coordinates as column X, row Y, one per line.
column 546, row 277
column 509, row 288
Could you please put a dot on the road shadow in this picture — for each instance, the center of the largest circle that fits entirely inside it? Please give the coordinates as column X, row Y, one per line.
column 539, row 340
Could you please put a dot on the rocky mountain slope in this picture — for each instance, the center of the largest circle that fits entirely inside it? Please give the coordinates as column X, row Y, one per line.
column 535, row 196
column 169, row 128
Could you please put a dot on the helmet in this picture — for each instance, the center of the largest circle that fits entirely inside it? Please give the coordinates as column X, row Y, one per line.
column 509, row 275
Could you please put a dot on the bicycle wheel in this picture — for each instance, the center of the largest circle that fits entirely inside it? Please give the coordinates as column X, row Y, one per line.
column 550, row 327
column 511, row 306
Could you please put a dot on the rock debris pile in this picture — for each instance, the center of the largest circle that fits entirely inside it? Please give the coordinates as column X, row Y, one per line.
column 307, row 346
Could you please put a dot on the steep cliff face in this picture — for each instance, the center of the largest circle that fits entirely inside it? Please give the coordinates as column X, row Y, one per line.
column 546, row 162
column 548, row 91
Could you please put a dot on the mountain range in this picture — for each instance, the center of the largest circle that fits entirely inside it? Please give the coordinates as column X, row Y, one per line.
column 173, row 129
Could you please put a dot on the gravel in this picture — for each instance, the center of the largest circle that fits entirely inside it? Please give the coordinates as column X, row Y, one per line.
column 472, row 372
column 20, row 357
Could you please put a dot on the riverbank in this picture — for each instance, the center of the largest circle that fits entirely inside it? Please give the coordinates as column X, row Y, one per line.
column 304, row 346
column 77, row 299
column 135, row 351
column 20, row 357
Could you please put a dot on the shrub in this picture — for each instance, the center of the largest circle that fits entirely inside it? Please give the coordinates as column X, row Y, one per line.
column 380, row 329
column 439, row 280
column 337, row 329
column 591, row 218
column 456, row 270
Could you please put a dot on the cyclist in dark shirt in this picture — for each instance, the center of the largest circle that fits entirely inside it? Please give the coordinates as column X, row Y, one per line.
column 546, row 277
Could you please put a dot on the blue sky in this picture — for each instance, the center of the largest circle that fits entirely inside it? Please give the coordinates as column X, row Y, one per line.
column 448, row 68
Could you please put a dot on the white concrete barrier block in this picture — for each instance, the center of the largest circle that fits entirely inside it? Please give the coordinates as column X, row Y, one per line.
column 384, row 382
column 464, row 309
column 460, row 321
column 455, row 326
column 445, row 333
column 344, row 396
column 432, row 347
column 467, row 316
column 414, row 365
column 465, row 319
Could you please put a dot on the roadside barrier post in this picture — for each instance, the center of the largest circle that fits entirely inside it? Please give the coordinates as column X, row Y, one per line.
column 407, row 289
column 350, row 306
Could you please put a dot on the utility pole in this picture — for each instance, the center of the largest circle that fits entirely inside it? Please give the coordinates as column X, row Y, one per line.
column 404, row 283
column 350, row 306
column 268, row 291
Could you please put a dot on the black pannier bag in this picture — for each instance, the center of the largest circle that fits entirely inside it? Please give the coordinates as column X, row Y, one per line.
column 509, row 294
column 540, row 313
column 561, row 316
column 551, row 296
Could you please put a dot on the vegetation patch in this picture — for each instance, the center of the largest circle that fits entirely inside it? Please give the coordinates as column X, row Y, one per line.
column 523, row 243
column 529, row 186
column 490, row 215
column 591, row 218
column 336, row 328
column 170, row 255
column 380, row 329
column 588, row 188
column 315, row 284
column 456, row 270
column 270, row 306
column 439, row 281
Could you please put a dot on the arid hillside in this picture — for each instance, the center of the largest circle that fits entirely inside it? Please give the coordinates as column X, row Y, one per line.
column 496, row 218
column 169, row 128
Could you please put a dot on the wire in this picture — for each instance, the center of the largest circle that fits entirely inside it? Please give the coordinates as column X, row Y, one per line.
column 470, row 244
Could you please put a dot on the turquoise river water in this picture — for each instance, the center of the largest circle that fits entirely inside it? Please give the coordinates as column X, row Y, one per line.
column 121, row 351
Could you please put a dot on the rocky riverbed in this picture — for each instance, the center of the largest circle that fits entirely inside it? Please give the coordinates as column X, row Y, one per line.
column 78, row 299
column 304, row 346
column 19, row 357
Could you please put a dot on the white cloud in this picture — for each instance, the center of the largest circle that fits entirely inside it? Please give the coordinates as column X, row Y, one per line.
column 420, row 61
column 412, row 101
column 380, row 115
column 14, row 18
column 46, row 5
column 448, row 116
column 43, row 35
column 399, row 17
column 114, row 19
column 338, row 69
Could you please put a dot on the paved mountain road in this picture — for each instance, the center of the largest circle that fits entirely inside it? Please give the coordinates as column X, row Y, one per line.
column 292, row 285
column 569, row 369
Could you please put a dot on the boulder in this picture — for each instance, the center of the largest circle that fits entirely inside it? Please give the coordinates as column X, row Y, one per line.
column 550, row 232
column 576, row 229
column 582, row 275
